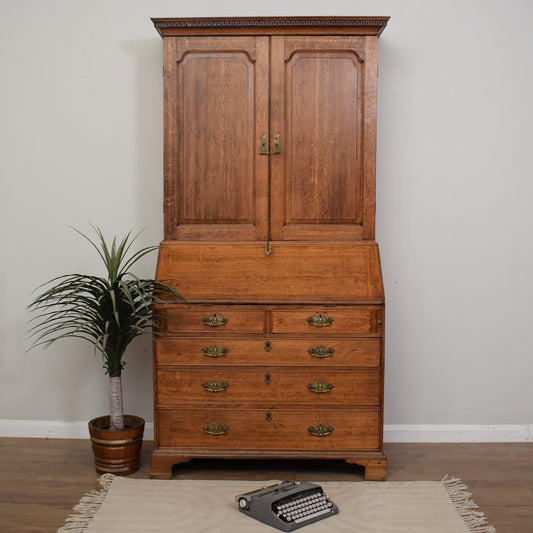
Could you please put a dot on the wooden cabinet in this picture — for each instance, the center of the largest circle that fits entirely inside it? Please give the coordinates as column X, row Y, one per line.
column 269, row 234
column 267, row 137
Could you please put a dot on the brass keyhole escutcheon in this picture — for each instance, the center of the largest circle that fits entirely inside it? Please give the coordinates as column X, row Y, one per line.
column 268, row 416
column 277, row 149
column 263, row 150
column 268, row 346
column 268, row 378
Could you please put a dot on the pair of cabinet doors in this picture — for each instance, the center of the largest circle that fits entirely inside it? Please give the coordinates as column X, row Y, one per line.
column 270, row 137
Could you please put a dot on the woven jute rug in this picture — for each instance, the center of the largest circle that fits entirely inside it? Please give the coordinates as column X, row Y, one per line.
column 197, row 506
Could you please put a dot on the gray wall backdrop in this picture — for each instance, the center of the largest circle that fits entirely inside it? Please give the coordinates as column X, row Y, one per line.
column 81, row 135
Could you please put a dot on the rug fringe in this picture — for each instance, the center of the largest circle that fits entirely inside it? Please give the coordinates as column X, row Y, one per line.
column 461, row 497
column 89, row 505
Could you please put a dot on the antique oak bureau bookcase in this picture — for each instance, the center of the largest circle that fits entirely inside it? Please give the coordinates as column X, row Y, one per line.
column 269, row 201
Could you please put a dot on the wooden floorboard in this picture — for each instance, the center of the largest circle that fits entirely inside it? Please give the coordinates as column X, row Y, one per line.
column 42, row 479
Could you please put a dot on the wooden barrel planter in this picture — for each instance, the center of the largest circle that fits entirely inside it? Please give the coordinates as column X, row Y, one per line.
column 117, row 451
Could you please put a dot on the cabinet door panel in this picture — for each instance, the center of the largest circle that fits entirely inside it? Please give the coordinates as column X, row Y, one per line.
column 216, row 109
column 321, row 188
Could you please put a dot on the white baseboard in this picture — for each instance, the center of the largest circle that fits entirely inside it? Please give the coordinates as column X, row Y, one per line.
column 56, row 429
column 458, row 433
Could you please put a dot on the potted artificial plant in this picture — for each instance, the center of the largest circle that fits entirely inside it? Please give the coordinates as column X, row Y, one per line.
column 109, row 312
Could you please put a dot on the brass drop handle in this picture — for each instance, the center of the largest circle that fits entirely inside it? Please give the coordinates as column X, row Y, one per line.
column 320, row 431
column 321, row 352
column 320, row 387
column 320, row 321
column 277, row 149
column 215, row 386
column 214, row 320
column 215, row 351
column 216, row 429
column 263, row 150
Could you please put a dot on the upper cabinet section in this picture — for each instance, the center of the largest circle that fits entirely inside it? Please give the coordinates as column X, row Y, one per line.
column 270, row 128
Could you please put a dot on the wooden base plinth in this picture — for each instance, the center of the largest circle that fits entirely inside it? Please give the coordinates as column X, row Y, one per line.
column 161, row 464
column 162, row 461
column 375, row 469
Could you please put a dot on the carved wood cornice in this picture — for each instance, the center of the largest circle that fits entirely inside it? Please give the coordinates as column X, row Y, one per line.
column 263, row 25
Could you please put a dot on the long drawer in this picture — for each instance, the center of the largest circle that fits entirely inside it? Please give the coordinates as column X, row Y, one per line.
column 323, row 352
column 269, row 429
column 272, row 386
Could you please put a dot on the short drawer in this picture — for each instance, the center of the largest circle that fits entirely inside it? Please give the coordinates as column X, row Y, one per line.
column 270, row 386
column 214, row 320
column 317, row 351
column 269, row 429
column 326, row 321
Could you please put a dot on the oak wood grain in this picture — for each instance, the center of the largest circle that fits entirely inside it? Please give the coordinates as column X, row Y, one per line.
column 187, row 319
column 275, row 386
column 318, row 99
column 314, row 96
column 362, row 319
column 330, row 352
column 268, row 432
column 216, row 106
column 292, row 272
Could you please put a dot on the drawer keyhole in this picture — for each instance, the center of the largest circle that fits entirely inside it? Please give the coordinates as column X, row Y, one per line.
column 268, row 378
column 268, row 416
column 268, row 346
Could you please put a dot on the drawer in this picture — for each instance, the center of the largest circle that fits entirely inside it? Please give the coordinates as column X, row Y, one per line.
column 326, row 321
column 322, row 352
column 270, row 386
column 214, row 320
column 269, row 429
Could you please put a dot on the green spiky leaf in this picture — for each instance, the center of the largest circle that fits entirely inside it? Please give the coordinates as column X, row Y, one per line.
column 109, row 312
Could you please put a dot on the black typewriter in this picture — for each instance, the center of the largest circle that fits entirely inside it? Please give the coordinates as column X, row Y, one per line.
column 287, row 505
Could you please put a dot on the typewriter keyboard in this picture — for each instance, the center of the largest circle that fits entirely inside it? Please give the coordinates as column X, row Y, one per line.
column 304, row 507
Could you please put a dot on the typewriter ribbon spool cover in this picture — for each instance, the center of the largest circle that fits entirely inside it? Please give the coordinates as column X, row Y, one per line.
column 288, row 505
